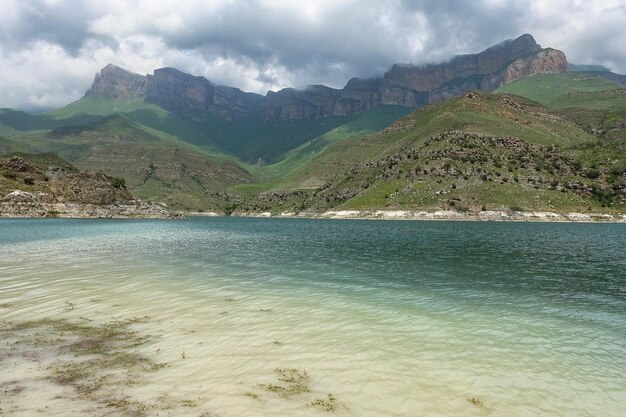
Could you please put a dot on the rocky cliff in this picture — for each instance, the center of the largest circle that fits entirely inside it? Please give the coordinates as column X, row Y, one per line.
column 404, row 85
column 176, row 91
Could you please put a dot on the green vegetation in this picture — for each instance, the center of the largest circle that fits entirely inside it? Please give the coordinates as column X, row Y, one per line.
column 546, row 88
column 476, row 152
column 94, row 364
column 119, row 182
column 476, row 401
column 292, row 383
column 152, row 164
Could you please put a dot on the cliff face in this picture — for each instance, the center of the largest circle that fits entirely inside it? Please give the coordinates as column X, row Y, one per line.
column 499, row 65
column 114, row 82
column 404, row 85
column 549, row 61
column 176, row 91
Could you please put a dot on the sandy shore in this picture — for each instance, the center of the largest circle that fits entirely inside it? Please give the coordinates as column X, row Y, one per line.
column 80, row 211
column 134, row 209
column 518, row 216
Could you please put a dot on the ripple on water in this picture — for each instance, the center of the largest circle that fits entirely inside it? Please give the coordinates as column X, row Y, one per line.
column 388, row 318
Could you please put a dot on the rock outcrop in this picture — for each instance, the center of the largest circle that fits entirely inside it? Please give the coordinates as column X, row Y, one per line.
column 404, row 85
column 176, row 91
column 31, row 190
column 113, row 82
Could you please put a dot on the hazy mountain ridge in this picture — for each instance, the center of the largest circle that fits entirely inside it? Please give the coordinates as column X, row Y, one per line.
column 404, row 85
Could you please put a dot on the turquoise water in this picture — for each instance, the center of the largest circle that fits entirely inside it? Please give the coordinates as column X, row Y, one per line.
column 392, row 318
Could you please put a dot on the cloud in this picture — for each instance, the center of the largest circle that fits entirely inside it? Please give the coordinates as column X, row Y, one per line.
column 51, row 49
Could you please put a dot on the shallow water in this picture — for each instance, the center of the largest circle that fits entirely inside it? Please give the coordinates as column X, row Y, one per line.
column 390, row 318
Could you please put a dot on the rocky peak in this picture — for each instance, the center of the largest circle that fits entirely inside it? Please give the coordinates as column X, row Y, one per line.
column 114, row 82
column 195, row 96
column 176, row 90
column 434, row 76
column 525, row 44
column 546, row 61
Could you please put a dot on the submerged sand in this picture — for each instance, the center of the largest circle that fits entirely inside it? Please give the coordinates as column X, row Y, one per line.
column 198, row 319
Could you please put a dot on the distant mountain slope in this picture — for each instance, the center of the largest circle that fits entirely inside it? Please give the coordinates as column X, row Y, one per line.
column 7, row 146
column 545, row 88
column 599, row 71
column 155, row 165
column 197, row 98
column 252, row 140
column 477, row 152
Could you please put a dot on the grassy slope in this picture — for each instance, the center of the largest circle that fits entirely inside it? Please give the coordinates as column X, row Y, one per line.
column 485, row 116
column 251, row 140
column 546, row 88
column 598, row 106
column 155, row 165
column 375, row 119
column 80, row 133
column 8, row 145
column 414, row 164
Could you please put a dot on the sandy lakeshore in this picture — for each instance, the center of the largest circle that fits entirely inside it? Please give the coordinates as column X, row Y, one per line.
column 534, row 216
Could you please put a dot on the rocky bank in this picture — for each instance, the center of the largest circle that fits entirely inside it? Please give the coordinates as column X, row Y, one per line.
column 47, row 186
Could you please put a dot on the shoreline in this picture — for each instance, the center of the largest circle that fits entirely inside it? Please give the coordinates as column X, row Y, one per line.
column 127, row 210
column 447, row 215
column 148, row 211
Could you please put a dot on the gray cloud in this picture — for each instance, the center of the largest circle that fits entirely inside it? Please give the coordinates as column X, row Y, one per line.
column 51, row 49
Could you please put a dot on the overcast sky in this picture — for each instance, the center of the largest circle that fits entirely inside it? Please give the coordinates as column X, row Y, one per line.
column 51, row 49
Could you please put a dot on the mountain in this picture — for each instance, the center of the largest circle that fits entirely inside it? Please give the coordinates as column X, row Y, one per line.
column 599, row 71
column 404, row 85
column 472, row 153
column 548, row 140
column 156, row 166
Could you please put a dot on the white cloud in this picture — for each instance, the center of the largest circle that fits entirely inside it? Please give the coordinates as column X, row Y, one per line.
column 51, row 49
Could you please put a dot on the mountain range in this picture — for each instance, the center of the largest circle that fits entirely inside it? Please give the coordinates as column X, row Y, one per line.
column 402, row 85
column 185, row 142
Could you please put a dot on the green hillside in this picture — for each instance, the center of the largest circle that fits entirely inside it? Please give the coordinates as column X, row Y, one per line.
column 480, row 114
column 546, row 88
column 596, row 105
column 155, row 165
column 477, row 152
column 251, row 140
column 7, row 145
column 185, row 163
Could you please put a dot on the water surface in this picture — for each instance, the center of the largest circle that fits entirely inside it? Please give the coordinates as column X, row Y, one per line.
column 391, row 318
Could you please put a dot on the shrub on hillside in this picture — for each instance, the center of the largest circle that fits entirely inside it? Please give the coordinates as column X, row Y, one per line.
column 119, row 182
